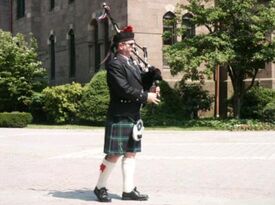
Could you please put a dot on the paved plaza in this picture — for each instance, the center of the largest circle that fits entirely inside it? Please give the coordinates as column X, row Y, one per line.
column 61, row 167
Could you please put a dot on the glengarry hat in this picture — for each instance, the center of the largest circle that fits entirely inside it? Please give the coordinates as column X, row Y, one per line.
column 125, row 34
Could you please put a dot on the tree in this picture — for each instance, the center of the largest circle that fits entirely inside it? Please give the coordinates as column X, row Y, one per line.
column 237, row 38
column 21, row 73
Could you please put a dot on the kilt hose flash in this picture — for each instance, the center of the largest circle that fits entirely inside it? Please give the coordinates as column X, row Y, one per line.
column 118, row 138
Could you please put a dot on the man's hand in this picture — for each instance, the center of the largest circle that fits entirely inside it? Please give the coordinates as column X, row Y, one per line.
column 155, row 89
column 153, row 98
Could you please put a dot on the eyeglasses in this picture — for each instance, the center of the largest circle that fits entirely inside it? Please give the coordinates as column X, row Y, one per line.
column 130, row 44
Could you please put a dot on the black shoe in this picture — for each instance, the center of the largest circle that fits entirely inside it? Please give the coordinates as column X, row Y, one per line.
column 134, row 195
column 102, row 194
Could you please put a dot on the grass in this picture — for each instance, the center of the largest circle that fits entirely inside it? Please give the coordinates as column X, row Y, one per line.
column 41, row 126
column 86, row 127
column 189, row 125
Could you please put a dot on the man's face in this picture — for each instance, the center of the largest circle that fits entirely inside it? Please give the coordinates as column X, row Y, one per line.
column 127, row 47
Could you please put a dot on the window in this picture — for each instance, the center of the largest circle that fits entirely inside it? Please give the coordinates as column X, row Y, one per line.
column 190, row 28
column 52, row 56
column 169, row 28
column 52, row 4
column 169, row 32
column 20, row 8
column 107, row 41
column 72, row 63
column 97, row 49
column 95, row 46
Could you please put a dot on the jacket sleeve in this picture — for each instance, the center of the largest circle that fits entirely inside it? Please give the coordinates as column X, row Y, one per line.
column 119, row 83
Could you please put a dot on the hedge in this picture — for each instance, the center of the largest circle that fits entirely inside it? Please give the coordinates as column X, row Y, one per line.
column 95, row 100
column 269, row 112
column 15, row 119
column 258, row 103
column 61, row 102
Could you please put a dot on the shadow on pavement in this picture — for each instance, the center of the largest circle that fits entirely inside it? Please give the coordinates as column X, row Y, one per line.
column 85, row 194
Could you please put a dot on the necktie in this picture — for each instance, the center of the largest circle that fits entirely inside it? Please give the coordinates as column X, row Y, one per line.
column 134, row 67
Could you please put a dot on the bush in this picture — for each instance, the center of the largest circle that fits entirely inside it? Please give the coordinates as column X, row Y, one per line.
column 170, row 111
column 15, row 119
column 61, row 102
column 177, row 105
column 229, row 124
column 194, row 98
column 95, row 100
column 255, row 101
column 36, row 108
column 269, row 112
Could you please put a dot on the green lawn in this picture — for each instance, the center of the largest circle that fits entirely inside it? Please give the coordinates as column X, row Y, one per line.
column 196, row 125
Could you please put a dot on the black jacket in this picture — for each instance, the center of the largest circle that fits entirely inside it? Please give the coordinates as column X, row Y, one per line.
column 126, row 88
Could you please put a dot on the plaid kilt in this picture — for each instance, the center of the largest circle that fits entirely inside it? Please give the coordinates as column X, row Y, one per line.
column 118, row 138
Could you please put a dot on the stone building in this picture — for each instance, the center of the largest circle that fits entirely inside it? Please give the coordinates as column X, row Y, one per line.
column 71, row 41
column 5, row 15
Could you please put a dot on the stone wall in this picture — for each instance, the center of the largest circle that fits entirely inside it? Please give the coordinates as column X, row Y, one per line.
column 5, row 15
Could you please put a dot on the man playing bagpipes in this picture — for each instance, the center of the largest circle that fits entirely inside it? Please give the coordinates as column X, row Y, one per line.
column 128, row 89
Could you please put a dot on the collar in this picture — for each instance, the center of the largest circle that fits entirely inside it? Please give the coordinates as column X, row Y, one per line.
column 123, row 56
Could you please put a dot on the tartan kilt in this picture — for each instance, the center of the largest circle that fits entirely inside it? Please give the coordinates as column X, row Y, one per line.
column 118, row 138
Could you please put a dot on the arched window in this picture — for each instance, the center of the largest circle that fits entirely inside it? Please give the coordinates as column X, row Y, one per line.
column 52, row 56
column 190, row 28
column 107, row 41
column 20, row 8
column 169, row 32
column 72, row 63
column 169, row 28
column 95, row 46
column 52, row 4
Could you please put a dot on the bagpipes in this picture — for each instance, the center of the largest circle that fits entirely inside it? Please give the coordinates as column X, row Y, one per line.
column 153, row 74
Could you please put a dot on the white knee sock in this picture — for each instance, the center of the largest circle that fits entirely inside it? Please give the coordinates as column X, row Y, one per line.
column 128, row 170
column 105, row 170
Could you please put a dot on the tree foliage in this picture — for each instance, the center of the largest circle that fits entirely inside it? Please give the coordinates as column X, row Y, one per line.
column 21, row 73
column 237, row 37
column 255, row 103
column 61, row 103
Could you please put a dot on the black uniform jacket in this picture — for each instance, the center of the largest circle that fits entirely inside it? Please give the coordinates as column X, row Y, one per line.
column 126, row 88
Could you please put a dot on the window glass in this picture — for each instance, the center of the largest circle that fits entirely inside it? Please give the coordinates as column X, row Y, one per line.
column 52, row 56
column 20, row 8
column 190, row 28
column 72, row 63
column 169, row 28
column 52, row 4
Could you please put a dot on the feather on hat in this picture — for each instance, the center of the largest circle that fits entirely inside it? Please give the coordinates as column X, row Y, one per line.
column 125, row 34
